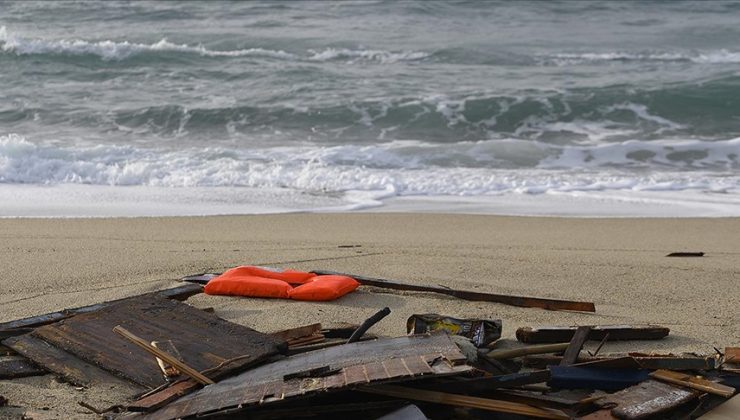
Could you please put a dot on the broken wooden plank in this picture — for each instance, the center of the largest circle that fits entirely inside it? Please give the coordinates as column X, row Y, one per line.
column 523, row 351
column 732, row 355
column 541, row 361
column 169, row 371
column 297, row 332
column 362, row 362
column 203, row 339
column 18, row 367
column 555, row 334
column 685, row 254
column 574, row 347
column 464, row 401
column 17, row 327
column 576, row 377
column 69, row 367
column 489, row 383
column 160, row 354
column 693, row 382
column 646, row 399
column 522, row 301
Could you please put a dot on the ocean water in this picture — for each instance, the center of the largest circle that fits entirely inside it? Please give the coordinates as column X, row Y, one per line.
column 567, row 108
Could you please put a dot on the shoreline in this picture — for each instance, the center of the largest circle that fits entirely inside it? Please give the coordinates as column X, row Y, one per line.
column 619, row 264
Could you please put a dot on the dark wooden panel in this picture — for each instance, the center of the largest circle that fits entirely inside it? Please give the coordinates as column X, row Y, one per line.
column 358, row 363
column 18, row 326
column 69, row 367
column 18, row 367
column 198, row 335
column 555, row 334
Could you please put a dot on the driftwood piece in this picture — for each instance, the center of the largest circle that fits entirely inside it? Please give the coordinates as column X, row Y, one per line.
column 464, row 401
column 693, row 382
column 685, row 254
column 646, row 399
column 574, row 347
column 523, row 301
column 523, row 351
column 19, row 326
column 555, row 334
column 367, row 324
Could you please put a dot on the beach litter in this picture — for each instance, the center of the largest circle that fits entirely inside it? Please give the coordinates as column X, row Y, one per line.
column 165, row 359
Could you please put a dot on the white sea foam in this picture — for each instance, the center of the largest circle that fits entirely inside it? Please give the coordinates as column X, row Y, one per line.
column 119, row 50
column 721, row 56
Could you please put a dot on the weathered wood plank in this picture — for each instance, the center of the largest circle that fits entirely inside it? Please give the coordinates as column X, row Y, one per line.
column 522, row 301
column 646, row 399
column 69, row 367
column 574, row 347
column 203, row 339
column 358, row 363
column 16, row 327
column 555, row 334
column 541, row 361
column 18, row 367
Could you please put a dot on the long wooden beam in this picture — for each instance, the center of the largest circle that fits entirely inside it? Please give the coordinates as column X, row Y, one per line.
column 522, row 301
column 464, row 401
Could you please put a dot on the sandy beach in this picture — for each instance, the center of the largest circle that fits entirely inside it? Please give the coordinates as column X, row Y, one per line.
column 619, row 264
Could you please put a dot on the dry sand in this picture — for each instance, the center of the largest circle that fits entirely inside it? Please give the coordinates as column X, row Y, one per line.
column 619, row 264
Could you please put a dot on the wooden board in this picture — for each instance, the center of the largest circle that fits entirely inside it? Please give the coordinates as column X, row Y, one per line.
column 349, row 364
column 555, row 334
column 693, row 382
column 69, row 367
column 541, row 361
column 574, row 347
column 18, row 367
column 20, row 326
column 203, row 339
column 646, row 399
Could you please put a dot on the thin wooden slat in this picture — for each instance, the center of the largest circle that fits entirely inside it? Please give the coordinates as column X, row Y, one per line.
column 524, row 351
column 693, row 382
column 574, row 347
column 556, row 334
column 541, row 361
column 463, row 401
column 522, row 301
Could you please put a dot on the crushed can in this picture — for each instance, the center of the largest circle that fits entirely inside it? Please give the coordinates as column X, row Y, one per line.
column 481, row 331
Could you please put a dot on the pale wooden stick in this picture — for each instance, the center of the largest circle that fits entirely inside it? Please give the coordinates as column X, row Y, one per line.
column 182, row 367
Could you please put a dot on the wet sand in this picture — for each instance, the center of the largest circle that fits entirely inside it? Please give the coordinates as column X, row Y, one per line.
column 619, row 264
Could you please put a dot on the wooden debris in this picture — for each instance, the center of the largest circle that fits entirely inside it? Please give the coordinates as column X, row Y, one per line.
column 732, row 355
column 685, row 254
column 159, row 354
column 693, row 382
column 527, row 302
column 18, row 367
column 524, row 351
column 18, row 326
column 367, row 324
column 574, row 347
column 167, row 369
column 464, row 401
column 365, row 362
column 536, row 335
column 541, row 361
column 648, row 398
column 293, row 333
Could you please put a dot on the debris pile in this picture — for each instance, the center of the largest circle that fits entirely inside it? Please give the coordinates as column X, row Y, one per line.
column 165, row 359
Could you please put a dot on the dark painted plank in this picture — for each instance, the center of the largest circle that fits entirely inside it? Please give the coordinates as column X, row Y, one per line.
column 16, row 326
column 541, row 361
column 555, row 334
column 576, row 344
column 203, row 339
column 522, row 301
column 69, row 367
column 18, row 367
column 574, row 377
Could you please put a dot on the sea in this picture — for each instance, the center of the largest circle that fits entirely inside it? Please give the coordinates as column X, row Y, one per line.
column 549, row 108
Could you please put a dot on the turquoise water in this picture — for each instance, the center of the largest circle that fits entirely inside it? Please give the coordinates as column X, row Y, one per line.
column 351, row 105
